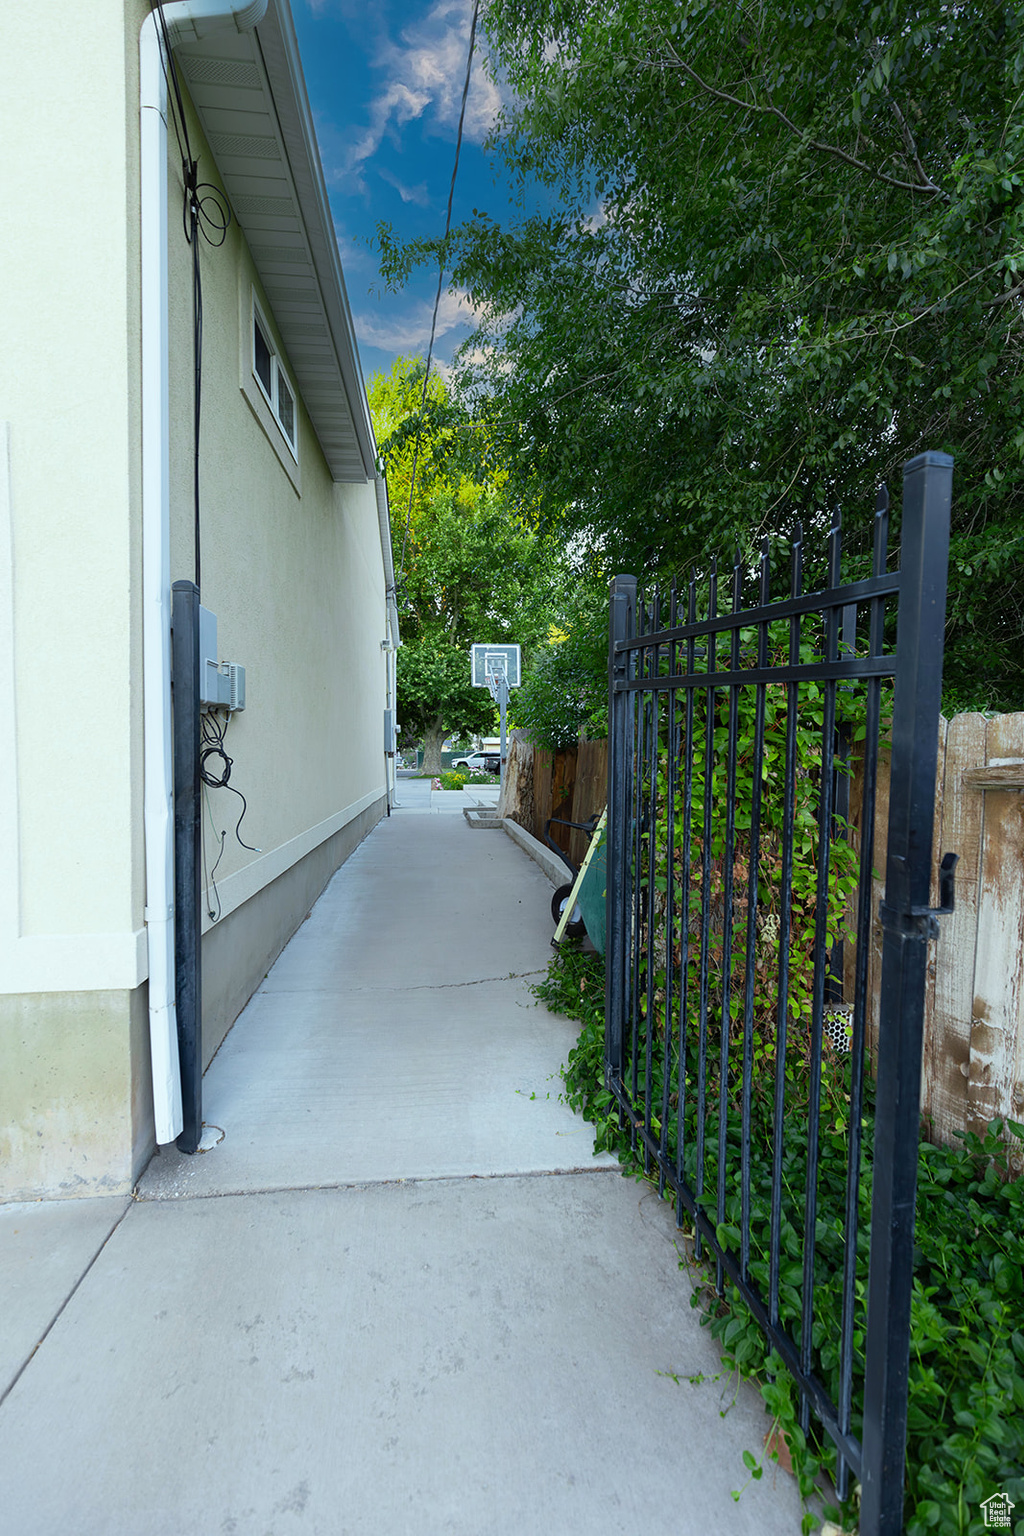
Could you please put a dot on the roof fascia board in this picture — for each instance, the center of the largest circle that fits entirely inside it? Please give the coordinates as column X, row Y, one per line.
column 280, row 49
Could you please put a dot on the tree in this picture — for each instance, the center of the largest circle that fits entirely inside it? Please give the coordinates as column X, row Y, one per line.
column 468, row 569
column 565, row 691
column 788, row 255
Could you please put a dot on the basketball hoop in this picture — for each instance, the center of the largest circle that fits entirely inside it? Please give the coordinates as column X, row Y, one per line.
column 495, row 673
column 497, row 668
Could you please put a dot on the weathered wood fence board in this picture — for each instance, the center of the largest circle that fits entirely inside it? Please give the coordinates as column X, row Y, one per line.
column 554, row 774
column 590, row 792
column 571, row 785
column 948, row 1012
column 973, row 1069
column 996, row 1083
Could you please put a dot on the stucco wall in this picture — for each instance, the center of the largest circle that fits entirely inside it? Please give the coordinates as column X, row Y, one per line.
column 72, row 1010
column 70, row 1123
column 295, row 579
column 70, row 769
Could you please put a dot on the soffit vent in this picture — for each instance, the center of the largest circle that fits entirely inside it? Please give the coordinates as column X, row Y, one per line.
column 224, row 72
column 274, row 207
column 245, row 146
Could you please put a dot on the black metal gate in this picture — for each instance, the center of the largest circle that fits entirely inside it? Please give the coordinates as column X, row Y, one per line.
column 739, row 919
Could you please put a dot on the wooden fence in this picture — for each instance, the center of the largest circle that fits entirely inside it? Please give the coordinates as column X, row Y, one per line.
column 571, row 785
column 973, row 1069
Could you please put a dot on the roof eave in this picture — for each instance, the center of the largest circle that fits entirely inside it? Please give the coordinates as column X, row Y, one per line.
column 251, row 98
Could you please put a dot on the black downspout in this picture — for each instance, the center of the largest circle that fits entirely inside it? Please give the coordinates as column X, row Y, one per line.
column 187, row 857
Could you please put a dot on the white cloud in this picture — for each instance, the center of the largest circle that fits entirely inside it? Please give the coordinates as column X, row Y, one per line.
column 426, row 70
column 485, row 359
column 411, row 332
column 419, row 194
column 356, row 257
column 593, row 221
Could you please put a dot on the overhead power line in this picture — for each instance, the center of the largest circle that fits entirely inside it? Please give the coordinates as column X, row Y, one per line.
column 440, row 279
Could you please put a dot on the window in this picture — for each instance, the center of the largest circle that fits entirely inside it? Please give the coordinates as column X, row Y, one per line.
column 266, row 385
column 267, row 369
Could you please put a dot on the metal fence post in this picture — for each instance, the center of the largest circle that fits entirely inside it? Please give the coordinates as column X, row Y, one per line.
column 908, row 923
column 621, row 622
column 187, row 856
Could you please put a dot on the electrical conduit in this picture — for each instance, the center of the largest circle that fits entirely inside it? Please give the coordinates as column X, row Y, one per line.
column 393, row 638
column 189, row 21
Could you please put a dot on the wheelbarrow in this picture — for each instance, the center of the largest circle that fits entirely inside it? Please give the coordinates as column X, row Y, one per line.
column 569, row 902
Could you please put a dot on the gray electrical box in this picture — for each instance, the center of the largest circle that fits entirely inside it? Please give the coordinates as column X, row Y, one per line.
column 221, row 683
column 390, row 732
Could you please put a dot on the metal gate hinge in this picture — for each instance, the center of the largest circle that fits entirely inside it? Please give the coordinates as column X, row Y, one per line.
column 924, row 921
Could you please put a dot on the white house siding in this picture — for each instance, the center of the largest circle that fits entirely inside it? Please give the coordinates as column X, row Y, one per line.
column 296, row 582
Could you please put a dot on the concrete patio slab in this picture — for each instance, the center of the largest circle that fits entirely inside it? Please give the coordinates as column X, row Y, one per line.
column 45, row 1248
column 313, row 1089
column 385, row 1043
column 399, row 1296
column 480, row 1358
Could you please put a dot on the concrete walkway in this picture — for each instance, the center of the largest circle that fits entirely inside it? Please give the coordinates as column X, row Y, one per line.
column 398, row 1295
column 414, row 795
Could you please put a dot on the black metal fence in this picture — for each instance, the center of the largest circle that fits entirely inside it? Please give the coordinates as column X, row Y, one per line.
column 738, row 929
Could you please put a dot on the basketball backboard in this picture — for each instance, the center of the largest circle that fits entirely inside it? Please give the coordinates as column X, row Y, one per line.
column 490, row 661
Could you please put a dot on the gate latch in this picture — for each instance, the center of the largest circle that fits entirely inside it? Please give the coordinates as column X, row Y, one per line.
column 924, row 921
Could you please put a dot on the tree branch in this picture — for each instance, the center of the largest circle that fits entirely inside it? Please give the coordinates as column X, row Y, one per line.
column 586, row 384
column 927, row 186
column 910, row 144
column 1004, row 298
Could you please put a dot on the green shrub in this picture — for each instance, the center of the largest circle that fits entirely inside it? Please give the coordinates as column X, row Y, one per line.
column 452, row 780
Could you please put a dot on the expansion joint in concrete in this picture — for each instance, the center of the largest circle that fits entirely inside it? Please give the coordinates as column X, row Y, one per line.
column 167, row 1197
column 5, row 1394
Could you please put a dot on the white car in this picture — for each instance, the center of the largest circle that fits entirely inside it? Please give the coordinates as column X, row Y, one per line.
column 479, row 762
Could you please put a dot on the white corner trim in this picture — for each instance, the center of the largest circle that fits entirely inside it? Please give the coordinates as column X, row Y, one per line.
column 10, row 853
column 74, row 962
column 235, row 890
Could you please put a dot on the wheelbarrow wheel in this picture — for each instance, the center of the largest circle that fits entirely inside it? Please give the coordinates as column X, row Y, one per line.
column 575, row 927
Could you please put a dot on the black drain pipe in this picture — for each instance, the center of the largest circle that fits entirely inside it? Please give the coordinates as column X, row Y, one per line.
column 187, row 857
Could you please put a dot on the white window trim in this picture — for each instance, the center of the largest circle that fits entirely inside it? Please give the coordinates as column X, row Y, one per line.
column 253, row 393
column 277, row 372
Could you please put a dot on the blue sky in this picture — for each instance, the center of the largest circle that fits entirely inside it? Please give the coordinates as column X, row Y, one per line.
column 385, row 84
